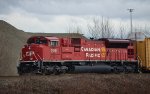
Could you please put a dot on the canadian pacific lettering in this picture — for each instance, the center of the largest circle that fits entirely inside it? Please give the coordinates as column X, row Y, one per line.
column 90, row 50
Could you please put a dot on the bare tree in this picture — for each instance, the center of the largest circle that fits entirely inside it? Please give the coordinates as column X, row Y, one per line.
column 94, row 29
column 101, row 28
column 78, row 30
column 107, row 29
column 147, row 30
column 122, row 32
column 74, row 29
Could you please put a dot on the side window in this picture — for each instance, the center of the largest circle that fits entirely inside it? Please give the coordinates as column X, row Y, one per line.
column 54, row 43
column 44, row 41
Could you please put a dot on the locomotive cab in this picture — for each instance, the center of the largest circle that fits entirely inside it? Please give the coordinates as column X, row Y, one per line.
column 40, row 48
column 37, row 40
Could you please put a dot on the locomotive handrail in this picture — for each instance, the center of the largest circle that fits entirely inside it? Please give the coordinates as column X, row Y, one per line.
column 35, row 56
column 140, row 61
column 38, row 56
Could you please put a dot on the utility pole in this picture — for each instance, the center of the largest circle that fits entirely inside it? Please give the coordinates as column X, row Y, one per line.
column 131, row 10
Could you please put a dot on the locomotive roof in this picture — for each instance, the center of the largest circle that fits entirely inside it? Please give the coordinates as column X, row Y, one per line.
column 60, row 35
column 77, row 35
column 118, row 40
column 110, row 40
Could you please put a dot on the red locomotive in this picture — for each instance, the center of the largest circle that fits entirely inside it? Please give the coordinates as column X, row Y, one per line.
column 57, row 55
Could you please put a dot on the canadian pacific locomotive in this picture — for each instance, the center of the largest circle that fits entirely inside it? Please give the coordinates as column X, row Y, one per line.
column 49, row 54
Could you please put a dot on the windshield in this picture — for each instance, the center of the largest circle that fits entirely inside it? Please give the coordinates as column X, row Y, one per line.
column 41, row 41
column 37, row 41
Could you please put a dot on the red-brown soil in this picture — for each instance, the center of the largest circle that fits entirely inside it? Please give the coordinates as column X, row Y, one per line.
column 77, row 84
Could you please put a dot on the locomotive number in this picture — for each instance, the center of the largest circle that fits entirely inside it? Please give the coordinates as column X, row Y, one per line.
column 53, row 50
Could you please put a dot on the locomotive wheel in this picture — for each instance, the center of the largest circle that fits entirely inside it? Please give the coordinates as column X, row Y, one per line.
column 136, row 69
column 63, row 71
column 125, row 70
column 56, row 70
column 46, row 72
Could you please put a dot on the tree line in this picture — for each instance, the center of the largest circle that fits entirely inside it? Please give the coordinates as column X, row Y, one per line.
column 104, row 28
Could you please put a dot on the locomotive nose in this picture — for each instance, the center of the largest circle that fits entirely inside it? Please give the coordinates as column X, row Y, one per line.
column 27, row 53
column 32, row 53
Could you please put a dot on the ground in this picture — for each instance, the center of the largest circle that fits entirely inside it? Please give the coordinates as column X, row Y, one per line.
column 77, row 84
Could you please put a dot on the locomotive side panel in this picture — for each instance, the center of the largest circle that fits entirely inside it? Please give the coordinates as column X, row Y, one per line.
column 67, row 53
column 117, row 54
column 46, row 52
column 94, row 50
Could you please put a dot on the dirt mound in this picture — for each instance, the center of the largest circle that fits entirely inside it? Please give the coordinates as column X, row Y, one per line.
column 11, row 42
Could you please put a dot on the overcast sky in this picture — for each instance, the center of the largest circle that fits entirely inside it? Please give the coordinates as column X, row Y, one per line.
column 57, row 15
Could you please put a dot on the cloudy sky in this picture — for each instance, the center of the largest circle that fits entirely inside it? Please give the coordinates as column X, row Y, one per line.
column 58, row 15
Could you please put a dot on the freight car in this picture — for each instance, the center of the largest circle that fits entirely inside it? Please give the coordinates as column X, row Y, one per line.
column 143, row 52
column 49, row 54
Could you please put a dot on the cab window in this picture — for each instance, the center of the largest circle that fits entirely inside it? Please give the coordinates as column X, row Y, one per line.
column 54, row 43
column 41, row 41
column 37, row 40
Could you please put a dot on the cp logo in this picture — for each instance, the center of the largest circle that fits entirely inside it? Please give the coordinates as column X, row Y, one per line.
column 103, row 52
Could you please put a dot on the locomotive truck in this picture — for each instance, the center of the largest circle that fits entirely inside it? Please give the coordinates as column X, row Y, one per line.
column 54, row 55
